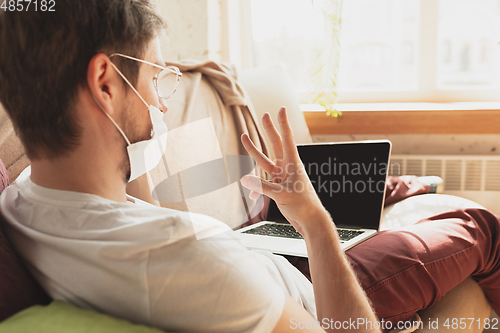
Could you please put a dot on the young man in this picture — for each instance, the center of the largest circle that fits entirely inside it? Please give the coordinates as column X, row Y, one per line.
column 80, row 87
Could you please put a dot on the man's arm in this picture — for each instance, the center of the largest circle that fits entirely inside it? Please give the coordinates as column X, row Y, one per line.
column 339, row 297
column 295, row 318
column 337, row 292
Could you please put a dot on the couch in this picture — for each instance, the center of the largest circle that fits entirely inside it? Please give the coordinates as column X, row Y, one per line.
column 202, row 103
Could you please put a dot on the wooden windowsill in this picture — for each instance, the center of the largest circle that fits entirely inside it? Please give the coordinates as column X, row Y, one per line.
column 406, row 118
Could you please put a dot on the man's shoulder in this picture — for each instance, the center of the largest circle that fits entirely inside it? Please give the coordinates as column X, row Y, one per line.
column 59, row 212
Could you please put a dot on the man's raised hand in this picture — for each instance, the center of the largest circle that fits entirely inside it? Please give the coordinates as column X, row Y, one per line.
column 290, row 186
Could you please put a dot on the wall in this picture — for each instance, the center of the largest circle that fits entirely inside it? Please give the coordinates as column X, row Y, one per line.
column 194, row 29
column 204, row 29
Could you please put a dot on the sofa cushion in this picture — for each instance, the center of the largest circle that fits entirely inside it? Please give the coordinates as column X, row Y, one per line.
column 270, row 87
column 61, row 317
column 18, row 289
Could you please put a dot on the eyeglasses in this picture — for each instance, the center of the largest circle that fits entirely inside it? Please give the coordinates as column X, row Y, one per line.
column 166, row 82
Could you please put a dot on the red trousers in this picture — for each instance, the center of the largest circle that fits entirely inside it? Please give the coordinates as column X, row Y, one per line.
column 409, row 269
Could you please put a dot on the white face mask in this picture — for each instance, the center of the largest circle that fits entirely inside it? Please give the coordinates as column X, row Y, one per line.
column 145, row 155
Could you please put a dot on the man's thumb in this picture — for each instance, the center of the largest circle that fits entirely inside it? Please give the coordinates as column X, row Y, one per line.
column 261, row 186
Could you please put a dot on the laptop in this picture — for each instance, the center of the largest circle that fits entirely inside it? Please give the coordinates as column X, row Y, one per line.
column 349, row 178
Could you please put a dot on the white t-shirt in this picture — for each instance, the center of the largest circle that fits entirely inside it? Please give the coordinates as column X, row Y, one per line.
column 143, row 263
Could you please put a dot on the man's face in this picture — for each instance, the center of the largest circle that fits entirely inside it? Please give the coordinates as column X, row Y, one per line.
column 136, row 119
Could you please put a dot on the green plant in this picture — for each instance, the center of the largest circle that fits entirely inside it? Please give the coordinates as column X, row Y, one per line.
column 324, row 72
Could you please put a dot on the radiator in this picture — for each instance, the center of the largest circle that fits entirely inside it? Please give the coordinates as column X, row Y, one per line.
column 473, row 177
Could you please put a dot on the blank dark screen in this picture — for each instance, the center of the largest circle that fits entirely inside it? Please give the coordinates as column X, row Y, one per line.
column 349, row 178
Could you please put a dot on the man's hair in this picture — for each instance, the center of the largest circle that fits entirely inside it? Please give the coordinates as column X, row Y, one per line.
column 44, row 56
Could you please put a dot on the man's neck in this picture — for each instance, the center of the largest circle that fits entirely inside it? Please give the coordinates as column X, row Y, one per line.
column 79, row 174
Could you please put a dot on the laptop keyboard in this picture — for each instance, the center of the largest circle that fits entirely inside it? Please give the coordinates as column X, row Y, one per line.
column 347, row 234
column 275, row 230
column 288, row 231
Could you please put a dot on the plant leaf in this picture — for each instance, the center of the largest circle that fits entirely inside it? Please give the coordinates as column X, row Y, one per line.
column 325, row 67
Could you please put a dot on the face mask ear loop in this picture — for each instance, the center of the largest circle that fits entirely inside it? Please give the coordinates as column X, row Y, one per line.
column 112, row 120
column 130, row 84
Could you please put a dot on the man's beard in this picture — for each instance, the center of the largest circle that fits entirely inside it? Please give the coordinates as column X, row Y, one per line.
column 125, row 168
column 134, row 135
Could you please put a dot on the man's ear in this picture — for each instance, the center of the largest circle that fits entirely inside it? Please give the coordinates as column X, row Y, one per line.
column 103, row 81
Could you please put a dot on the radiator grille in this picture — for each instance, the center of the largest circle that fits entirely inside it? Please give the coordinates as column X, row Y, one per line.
column 434, row 167
column 460, row 173
column 492, row 176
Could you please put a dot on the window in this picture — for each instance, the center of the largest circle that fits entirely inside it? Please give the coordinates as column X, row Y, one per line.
column 468, row 53
column 391, row 50
column 379, row 45
column 286, row 31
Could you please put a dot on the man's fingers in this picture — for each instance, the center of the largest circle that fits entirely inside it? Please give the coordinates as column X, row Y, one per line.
column 273, row 135
column 289, row 148
column 258, row 185
column 262, row 160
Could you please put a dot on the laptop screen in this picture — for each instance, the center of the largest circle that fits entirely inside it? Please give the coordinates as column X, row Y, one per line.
column 349, row 178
